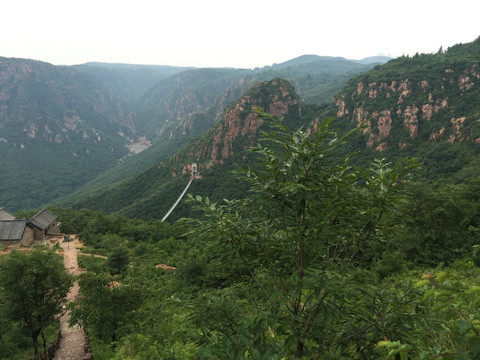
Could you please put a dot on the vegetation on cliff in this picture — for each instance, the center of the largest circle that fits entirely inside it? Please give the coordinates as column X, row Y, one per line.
column 425, row 105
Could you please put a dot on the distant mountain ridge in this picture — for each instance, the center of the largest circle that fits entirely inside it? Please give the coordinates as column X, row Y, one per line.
column 63, row 126
column 188, row 109
column 58, row 128
column 405, row 104
column 128, row 81
column 379, row 59
column 309, row 59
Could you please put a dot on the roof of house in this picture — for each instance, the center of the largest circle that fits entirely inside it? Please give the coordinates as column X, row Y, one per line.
column 43, row 219
column 12, row 229
column 5, row 215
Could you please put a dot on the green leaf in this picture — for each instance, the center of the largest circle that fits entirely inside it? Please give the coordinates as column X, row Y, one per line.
column 463, row 326
column 383, row 343
column 441, row 276
column 424, row 355
column 421, row 283
column 439, row 306
column 405, row 347
column 429, row 293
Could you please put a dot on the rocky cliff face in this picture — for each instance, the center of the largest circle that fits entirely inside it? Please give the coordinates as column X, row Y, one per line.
column 400, row 111
column 238, row 128
column 194, row 123
column 240, row 125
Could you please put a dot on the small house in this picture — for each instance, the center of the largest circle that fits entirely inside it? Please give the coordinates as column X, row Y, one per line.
column 15, row 231
column 43, row 224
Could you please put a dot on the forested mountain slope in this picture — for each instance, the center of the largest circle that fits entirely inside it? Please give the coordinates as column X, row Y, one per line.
column 423, row 106
column 152, row 192
column 81, row 117
column 173, row 100
column 179, row 108
column 318, row 78
column 58, row 128
column 427, row 105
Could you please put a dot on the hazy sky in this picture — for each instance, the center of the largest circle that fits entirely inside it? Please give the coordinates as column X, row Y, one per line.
column 229, row 33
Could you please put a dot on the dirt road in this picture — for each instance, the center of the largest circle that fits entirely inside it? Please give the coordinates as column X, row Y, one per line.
column 72, row 345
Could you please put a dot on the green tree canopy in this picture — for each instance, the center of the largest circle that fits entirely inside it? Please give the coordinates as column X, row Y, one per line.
column 34, row 289
column 107, row 308
column 117, row 260
column 300, row 239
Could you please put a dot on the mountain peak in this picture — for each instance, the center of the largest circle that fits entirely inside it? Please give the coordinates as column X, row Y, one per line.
column 238, row 130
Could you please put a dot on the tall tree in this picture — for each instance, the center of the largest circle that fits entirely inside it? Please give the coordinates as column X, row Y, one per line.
column 34, row 289
column 107, row 308
column 117, row 260
column 300, row 239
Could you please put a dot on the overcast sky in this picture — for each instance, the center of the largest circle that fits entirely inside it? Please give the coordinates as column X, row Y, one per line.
column 229, row 33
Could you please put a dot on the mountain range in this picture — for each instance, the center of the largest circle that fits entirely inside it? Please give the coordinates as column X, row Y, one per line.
column 62, row 127
column 64, row 131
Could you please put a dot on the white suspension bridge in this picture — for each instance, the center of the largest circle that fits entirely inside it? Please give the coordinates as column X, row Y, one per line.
column 194, row 174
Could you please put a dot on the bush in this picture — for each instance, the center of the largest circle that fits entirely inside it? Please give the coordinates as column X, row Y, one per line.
column 118, row 260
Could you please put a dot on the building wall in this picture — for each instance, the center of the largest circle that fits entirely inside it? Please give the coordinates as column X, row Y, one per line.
column 27, row 236
column 54, row 228
column 9, row 242
column 27, row 239
column 38, row 234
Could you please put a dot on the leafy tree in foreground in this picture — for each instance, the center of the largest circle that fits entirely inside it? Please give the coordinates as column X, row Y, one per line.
column 34, row 289
column 300, row 240
column 107, row 308
column 452, row 329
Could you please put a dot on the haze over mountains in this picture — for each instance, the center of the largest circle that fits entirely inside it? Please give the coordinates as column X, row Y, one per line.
column 64, row 130
column 61, row 127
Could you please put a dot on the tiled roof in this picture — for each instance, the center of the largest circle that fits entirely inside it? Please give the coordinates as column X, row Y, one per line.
column 5, row 215
column 12, row 229
column 43, row 219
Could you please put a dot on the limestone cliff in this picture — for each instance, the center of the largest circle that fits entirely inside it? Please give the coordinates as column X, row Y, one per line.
column 238, row 128
column 427, row 97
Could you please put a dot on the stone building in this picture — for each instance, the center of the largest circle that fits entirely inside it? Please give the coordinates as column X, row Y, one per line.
column 16, row 231
column 43, row 224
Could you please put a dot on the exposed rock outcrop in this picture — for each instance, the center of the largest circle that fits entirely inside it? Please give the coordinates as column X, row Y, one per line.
column 380, row 104
column 240, row 122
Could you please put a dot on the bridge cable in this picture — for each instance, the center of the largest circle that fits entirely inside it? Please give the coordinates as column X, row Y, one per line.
column 178, row 200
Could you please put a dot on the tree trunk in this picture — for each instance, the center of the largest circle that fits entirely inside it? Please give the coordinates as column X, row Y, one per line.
column 44, row 341
column 35, row 344
column 299, row 352
column 35, row 334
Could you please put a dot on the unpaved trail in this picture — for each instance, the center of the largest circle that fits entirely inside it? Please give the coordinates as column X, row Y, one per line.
column 72, row 344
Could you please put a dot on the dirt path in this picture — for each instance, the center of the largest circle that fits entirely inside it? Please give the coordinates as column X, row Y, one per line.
column 72, row 345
